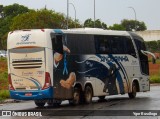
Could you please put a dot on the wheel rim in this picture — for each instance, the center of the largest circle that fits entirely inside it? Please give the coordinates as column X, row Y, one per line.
column 134, row 90
column 76, row 97
column 88, row 95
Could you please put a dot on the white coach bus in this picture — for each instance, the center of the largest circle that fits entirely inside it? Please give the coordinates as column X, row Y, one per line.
column 52, row 65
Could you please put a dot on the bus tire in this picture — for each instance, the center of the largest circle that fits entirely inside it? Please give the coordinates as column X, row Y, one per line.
column 40, row 103
column 88, row 93
column 134, row 91
column 76, row 97
column 101, row 97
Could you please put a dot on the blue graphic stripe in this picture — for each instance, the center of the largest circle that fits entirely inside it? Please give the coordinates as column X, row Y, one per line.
column 35, row 82
column 111, row 56
column 65, row 70
column 86, row 60
column 58, row 31
column 119, row 78
column 124, row 72
column 121, row 67
column 31, row 79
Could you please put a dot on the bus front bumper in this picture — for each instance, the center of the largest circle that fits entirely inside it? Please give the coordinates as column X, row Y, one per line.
column 34, row 95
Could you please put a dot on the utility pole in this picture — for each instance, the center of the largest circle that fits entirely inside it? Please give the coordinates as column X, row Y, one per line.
column 67, row 12
column 74, row 11
column 94, row 14
column 135, row 17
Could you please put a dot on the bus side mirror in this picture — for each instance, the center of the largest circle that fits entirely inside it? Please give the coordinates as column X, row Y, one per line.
column 153, row 60
column 153, row 56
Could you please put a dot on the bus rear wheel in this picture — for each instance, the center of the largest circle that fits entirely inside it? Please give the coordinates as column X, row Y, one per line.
column 76, row 97
column 134, row 91
column 88, row 94
column 40, row 103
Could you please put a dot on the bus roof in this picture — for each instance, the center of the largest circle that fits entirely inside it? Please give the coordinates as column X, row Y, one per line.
column 37, row 37
column 96, row 31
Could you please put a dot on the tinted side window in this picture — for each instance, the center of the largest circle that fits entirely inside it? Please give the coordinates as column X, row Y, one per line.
column 80, row 44
column 57, row 45
column 129, row 48
column 117, row 44
column 102, row 44
column 114, row 45
column 140, row 45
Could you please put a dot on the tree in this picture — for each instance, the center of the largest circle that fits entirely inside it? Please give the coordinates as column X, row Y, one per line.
column 152, row 46
column 1, row 11
column 131, row 25
column 14, row 10
column 41, row 19
column 6, row 15
column 89, row 23
column 98, row 23
column 158, row 45
column 117, row 27
column 17, row 16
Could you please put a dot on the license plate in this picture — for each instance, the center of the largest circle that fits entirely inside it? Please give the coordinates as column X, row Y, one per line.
column 28, row 94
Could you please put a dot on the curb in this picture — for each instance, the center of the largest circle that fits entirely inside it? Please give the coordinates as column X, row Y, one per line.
column 155, row 84
column 9, row 101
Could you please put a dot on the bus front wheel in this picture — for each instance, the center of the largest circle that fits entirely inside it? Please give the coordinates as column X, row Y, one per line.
column 134, row 91
column 40, row 103
column 88, row 94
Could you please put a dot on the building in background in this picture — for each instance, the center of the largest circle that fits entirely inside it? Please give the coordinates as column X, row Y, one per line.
column 149, row 35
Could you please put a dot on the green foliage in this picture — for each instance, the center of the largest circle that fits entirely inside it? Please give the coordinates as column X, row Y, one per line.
column 153, row 46
column 155, row 78
column 4, row 94
column 14, row 17
column 7, row 13
column 117, row 27
column 131, row 25
column 41, row 19
column 14, row 10
column 3, row 74
column 3, row 59
column 89, row 23
column 1, row 10
column 98, row 24
column 36, row 19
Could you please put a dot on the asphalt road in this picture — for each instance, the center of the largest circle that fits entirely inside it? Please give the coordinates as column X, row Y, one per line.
column 113, row 104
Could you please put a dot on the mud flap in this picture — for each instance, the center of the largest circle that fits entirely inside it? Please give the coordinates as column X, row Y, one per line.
column 63, row 93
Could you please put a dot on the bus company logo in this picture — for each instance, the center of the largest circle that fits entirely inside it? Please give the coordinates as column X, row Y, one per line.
column 117, row 58
column 25, row 40
column 25, row 37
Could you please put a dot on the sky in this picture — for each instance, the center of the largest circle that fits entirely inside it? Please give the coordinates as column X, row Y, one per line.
column 108, row 11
